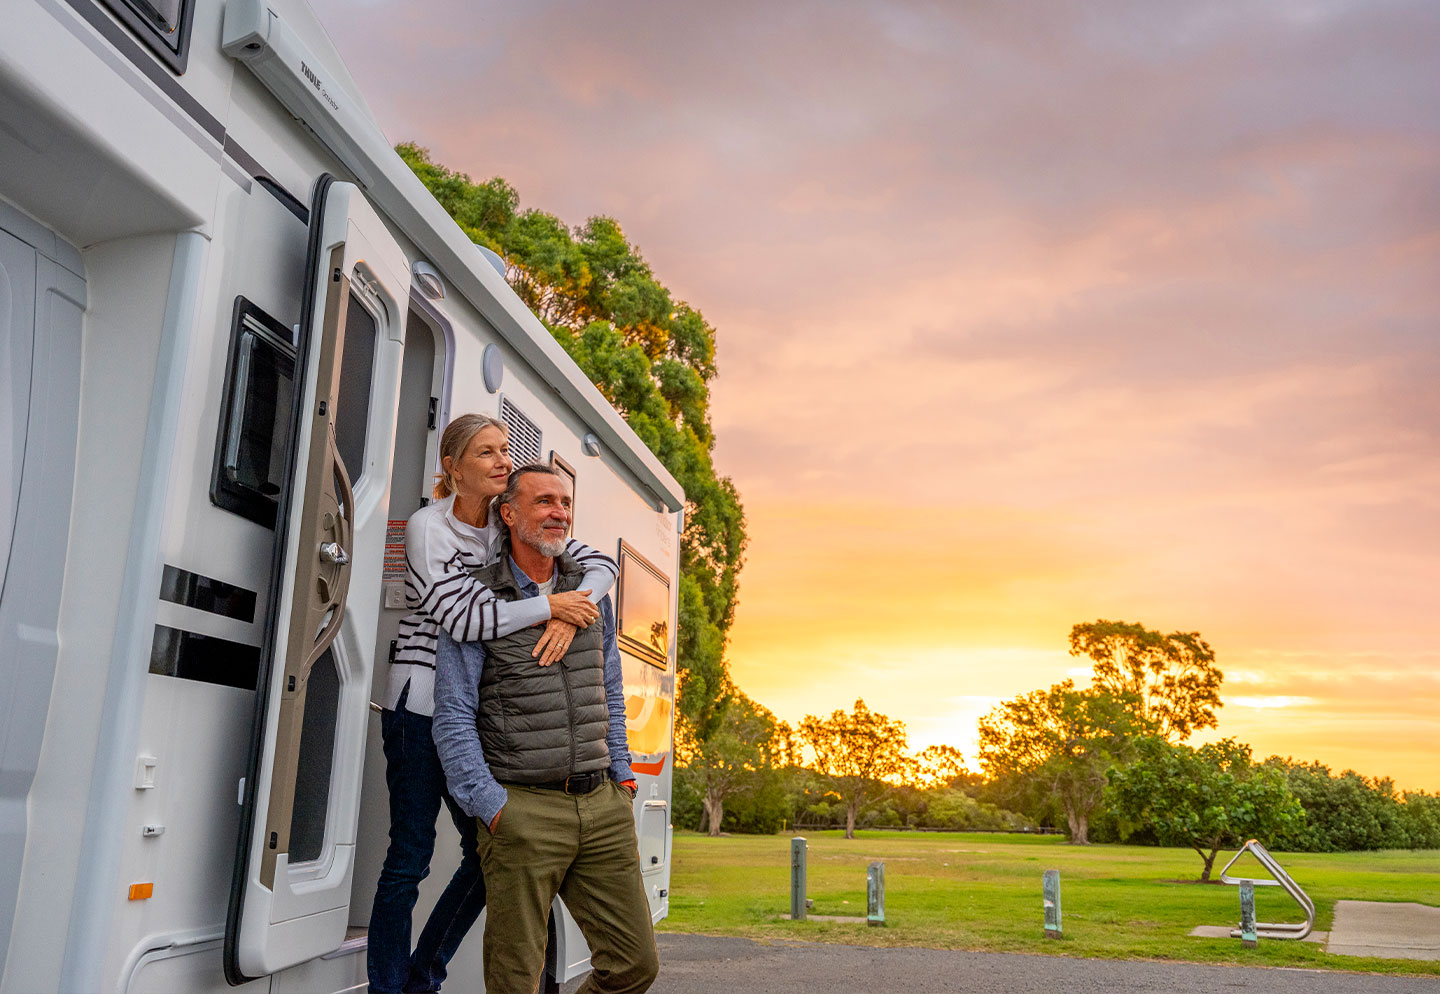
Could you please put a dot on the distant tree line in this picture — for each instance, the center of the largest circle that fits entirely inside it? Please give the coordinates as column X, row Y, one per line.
column 1110, row 762
column 1107, row 762
column 751, row 775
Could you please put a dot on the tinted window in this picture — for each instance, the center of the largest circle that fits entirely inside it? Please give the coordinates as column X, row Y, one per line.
column 256, row 418
column 163, row 25
column 316, row 762
column 644, row 608
column 568, row 472
column 352, row 404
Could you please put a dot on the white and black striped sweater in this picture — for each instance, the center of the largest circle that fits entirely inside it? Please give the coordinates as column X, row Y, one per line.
column 441, row 592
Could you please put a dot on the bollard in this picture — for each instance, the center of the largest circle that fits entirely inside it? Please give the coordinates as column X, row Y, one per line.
column 1052, row 904
column 1247, row 914
column 875, row 893
column 797, row 879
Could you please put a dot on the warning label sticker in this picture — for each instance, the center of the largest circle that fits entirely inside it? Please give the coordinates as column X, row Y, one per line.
column 394, row 551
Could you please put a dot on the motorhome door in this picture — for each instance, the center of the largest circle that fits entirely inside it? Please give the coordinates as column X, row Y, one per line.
column 290, row 897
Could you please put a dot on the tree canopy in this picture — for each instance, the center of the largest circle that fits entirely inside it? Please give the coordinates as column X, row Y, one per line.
column 1172, row 679
column 653, row 358
column 746, row 744
column 860, row 755
column 1061, row 740
column 1210, row 798
column 1348, row 812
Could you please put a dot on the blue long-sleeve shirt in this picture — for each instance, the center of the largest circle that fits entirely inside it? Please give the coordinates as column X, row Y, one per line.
column 457, row 701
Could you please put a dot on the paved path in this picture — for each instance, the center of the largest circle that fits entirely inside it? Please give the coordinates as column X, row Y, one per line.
column 1386, row 929
column 701, row 964
column 1393, row 930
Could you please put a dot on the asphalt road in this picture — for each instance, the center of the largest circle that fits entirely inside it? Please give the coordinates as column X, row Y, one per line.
column 701, row 964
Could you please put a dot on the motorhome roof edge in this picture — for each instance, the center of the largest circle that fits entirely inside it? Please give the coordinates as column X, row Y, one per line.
column 255, row 35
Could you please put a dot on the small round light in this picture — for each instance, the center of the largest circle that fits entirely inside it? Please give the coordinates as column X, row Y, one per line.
column 590, row 444
column 492, row 367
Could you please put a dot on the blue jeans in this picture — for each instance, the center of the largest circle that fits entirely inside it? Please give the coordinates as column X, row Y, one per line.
column 417, row 788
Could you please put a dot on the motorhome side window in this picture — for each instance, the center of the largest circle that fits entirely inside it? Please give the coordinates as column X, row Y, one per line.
column 568, row 472
column 644, row 596
column 259, row 392
column 163, row 25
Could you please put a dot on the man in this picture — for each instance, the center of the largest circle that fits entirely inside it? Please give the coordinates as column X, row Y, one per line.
column 538, row 755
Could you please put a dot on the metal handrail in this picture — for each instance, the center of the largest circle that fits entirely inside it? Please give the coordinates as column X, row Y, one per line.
column 1273, row 930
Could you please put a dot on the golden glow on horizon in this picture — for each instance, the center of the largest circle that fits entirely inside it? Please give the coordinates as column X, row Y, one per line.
column 938, row 645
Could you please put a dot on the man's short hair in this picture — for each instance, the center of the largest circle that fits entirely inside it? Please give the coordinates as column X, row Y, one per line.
column 512, row 483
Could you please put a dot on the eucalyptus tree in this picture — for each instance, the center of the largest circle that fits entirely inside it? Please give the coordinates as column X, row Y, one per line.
column 653, row 357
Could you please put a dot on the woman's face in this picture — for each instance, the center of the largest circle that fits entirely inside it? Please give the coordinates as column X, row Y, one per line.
column 484, row 466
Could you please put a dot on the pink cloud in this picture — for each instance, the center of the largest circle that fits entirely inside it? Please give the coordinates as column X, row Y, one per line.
column 1143, row 296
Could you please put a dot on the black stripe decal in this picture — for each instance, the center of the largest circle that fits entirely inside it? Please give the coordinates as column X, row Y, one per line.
column 204, row 593
column 192, row 656
column 142, row 60
column 257, row 172
column 140, row 57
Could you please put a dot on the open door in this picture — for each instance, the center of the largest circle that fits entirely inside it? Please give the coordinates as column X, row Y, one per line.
column 290, row 894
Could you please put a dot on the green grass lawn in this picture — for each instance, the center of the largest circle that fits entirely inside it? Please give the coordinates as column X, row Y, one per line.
column 983, row 892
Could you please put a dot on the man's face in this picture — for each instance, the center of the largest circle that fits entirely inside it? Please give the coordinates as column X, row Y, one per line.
column 540, row 514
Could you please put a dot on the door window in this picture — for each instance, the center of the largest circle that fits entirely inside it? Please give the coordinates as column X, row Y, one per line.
column 357, row 372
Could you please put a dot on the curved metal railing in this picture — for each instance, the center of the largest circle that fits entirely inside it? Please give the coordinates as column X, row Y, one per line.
column 1273, row 930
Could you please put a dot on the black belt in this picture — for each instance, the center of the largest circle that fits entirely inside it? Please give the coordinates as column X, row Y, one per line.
column 575, row 783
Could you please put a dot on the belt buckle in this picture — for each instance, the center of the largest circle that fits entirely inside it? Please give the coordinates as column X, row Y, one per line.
column 588, row 779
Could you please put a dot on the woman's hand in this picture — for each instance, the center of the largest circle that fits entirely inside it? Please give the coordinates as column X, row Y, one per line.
column 554, row 641
column 573, row 607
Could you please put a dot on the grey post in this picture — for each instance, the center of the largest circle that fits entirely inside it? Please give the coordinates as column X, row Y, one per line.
column 1247, row 914
column 875, row 892
column 797, row 879
column 1052, row 904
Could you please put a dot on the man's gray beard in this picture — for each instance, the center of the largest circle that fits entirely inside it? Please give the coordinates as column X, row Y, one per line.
column 546, row 547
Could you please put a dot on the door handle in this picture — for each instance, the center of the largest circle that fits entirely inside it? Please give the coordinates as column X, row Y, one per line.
column 332, row 552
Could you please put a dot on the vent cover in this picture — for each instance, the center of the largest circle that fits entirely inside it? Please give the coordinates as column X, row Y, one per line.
column 524, row 434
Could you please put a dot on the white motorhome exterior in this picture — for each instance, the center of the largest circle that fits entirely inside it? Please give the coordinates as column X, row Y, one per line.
column 232, row 326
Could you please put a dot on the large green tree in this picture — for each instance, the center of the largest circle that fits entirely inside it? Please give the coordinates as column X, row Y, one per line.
column 741, row 755
column 1210, row 798
column 859, row 755
column 1057, row 744
column 653, row 358
column 1172, row 679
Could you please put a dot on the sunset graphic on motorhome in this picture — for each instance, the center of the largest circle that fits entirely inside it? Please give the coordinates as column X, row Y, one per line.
column 1028, row 315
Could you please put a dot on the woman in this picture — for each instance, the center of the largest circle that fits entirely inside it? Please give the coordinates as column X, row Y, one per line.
column 444, row 541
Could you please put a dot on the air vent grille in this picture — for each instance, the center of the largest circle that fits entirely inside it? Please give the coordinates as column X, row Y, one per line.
column 524, row 434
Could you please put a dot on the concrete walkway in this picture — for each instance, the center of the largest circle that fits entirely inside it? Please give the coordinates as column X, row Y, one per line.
column 1391, row 930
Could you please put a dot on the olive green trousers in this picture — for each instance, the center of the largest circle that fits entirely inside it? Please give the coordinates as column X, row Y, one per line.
column 583, row 848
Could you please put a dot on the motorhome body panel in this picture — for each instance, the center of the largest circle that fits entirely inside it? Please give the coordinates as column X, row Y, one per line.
column 41, row 317
column 158, row 184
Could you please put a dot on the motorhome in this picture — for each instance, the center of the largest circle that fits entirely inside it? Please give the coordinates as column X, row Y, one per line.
column 232, row 327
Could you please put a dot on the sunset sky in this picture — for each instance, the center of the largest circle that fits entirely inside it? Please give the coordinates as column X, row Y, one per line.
column 1028, row 314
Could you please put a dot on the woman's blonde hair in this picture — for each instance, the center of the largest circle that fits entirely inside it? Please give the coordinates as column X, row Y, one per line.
column 456, row 438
